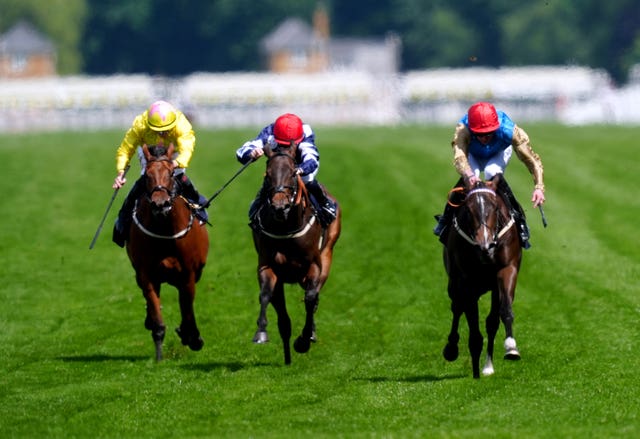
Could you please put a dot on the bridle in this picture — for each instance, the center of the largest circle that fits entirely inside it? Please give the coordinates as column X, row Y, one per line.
column 294, row 188
column 496, row 234
column 296, row 191
column 172, row 196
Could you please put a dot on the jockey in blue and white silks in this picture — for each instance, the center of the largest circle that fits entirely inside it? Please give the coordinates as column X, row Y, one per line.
column 286, row 130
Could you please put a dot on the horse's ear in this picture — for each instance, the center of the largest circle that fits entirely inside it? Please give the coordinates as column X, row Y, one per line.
column 268, row 151
column 146, row 152
column 170, row 149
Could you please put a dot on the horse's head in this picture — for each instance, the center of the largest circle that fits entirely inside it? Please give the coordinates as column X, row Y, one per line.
column 281, row 181
column 481, row 217
column 159, row 180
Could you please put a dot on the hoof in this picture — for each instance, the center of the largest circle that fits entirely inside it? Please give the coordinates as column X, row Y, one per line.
column 450, row 352
column 302, row 345
column 511, row 351
column 261, row 337
column 513, row 355
column 195, row 343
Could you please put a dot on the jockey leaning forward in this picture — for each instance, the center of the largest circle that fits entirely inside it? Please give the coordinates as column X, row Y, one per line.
column 286, row 130
column 160, row 125
column 484, row 141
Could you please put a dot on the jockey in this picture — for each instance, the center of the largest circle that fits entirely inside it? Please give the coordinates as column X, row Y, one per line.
column 286, row 130
column 484, row 141
column 160, row 125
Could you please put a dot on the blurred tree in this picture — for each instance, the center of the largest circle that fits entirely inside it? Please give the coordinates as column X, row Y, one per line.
column 60, row 20
column 176, row 37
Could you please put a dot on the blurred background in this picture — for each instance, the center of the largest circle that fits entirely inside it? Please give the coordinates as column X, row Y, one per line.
column 89, row 64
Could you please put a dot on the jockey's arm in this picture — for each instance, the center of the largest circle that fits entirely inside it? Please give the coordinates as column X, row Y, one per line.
column 460, row 145
column 522, row 147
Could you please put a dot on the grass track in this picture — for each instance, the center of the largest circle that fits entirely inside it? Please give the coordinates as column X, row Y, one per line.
column 77, row 361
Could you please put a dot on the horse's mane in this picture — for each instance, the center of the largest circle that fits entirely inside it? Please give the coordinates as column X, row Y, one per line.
column 157, row 151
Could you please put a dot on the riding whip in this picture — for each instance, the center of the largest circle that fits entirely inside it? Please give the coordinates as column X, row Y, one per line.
column 104, row 217
column 544, row 218
column 227, row 183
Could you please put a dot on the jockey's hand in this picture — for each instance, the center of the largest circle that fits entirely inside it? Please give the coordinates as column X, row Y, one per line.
column 472, row 180
column 256, row 154
column 119, row 181
column 538, row 198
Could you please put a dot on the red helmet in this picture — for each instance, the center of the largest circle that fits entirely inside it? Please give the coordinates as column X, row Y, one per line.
column 288, row 128
column 483, row 118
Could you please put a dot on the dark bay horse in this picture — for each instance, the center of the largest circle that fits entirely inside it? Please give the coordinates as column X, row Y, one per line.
column 292, row 247
column 482, row 253
column 167, row 245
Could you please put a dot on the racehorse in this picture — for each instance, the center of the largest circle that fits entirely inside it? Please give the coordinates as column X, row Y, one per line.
column 167, row 245
column 482, row 253
column 292, row 247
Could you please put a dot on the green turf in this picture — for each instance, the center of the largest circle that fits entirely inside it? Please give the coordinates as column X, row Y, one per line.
column 76, row 361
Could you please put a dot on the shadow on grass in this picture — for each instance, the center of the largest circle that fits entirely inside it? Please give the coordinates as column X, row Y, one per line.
column 412, row 379
column 231, row 366
column 102, row 358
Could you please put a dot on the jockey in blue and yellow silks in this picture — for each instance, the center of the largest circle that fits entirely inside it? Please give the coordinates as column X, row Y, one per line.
column 484, row 141
column 160, row 125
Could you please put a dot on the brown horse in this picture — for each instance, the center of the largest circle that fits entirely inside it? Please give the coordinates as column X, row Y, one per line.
column 292, row 247
column 167, row 245
column 482, row 253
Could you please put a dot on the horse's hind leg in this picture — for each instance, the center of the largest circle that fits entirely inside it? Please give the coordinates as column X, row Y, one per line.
column 153, row 320
column 284, row 321
column 188, row 329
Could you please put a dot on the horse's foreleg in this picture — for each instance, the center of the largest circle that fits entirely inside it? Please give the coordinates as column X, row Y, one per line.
column 188, row 330
column 267, row 280
column 507, row 286
column 311, row 299
column 491, row 324
column 450, row 351
column 475, row 336
column 153, row 321
column 284, row 321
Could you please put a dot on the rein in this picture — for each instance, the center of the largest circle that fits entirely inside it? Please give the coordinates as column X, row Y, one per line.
column 148, row 232
column 502, row 231
column 299, row 191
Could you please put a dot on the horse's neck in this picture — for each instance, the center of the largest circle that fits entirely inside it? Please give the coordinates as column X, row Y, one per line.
column 177, row 218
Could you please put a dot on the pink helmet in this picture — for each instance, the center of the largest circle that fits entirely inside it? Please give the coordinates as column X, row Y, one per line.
column 161, row 116
column 288, row 128
column 483, row 118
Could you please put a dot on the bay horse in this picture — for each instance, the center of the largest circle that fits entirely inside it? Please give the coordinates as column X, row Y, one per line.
column 167, row 245
column 482, row 253
column 292, row 246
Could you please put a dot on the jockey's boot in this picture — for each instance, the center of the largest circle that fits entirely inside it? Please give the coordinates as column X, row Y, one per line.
column 328, row 208
column 443, row 220
column 188, row 190
column 447, row 215
column 254, row 209
column 123, row 222
column 516, row 211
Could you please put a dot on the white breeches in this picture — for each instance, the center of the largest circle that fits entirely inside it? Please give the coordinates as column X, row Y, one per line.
column 491, row 166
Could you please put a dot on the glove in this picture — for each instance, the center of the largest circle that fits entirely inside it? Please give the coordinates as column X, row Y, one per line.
column 307, row 167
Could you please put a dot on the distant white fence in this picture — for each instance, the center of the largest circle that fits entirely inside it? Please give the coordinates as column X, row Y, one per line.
column 571, row 95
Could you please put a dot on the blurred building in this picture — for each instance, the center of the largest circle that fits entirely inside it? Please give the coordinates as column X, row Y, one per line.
column 294, row 46
column 26, row 53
